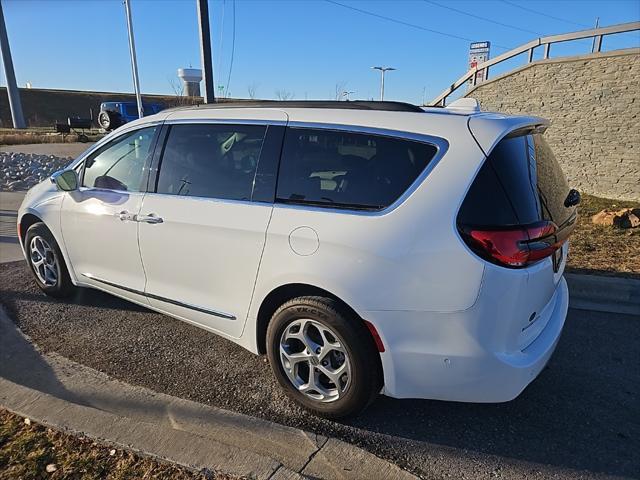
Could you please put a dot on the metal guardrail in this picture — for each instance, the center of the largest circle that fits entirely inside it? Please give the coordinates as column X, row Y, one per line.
column 596, row 33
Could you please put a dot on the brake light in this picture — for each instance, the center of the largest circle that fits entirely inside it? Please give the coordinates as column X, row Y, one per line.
column 514, row 246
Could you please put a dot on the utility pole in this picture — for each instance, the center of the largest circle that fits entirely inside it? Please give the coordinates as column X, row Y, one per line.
column 12, row 88
column 134, row 61
column 382, row 72
column 205, row 50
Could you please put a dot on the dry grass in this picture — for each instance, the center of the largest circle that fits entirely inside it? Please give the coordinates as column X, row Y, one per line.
column 604, row 250
column 26, row 450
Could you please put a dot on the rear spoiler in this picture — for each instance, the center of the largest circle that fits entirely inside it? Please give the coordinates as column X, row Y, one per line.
column 489, row 128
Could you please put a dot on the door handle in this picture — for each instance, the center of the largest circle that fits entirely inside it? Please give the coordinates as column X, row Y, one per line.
column 151, row 218
column 125, row 216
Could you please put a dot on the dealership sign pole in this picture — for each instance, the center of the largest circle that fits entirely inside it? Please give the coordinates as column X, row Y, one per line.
column 12, row 88
column 134, row 62
column 478, row 53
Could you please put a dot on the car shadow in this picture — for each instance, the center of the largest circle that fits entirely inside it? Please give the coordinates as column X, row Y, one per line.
column 23, row 364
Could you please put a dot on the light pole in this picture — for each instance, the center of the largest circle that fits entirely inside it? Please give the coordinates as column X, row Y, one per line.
column 134, row 62
column 382, row 72
column 12, row 88
column 346, row 94
column 205, row 51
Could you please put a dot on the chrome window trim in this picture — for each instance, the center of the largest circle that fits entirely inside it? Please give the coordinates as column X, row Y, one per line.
column 441, row 144
column 197, row 308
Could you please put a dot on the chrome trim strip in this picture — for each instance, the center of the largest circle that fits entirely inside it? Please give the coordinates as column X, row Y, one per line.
column 226, row 316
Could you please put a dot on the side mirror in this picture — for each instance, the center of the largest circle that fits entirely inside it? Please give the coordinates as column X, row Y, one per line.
column 66, row 180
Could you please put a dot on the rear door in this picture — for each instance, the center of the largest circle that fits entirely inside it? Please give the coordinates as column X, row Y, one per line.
column 202, row 226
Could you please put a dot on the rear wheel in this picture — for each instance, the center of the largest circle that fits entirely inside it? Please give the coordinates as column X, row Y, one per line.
column 323, row 357
column 46, row 262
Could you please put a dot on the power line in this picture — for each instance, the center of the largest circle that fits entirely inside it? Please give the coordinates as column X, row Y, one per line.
column 233, row 47
column 407, row 24
column 481, row 18
column 531, row 10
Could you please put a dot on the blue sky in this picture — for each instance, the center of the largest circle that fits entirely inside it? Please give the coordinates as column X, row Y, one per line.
column 305, row 47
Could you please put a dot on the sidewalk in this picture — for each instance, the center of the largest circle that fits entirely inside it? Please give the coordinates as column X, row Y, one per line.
column 65, row 395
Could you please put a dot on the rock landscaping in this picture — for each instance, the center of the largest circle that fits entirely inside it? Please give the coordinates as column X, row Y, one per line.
column 21, row 171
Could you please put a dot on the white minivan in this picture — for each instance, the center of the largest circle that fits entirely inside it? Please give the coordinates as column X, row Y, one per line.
column 365, row 247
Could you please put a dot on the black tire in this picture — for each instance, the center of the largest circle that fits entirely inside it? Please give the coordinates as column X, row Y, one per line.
column 62, row 286
column 366, row 370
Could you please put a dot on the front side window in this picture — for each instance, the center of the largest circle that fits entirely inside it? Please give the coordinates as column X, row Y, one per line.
column 348, row 170
column 213, row 161
column 120, row 165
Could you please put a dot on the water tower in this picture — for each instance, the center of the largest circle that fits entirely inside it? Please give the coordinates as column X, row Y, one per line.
column 191, row 78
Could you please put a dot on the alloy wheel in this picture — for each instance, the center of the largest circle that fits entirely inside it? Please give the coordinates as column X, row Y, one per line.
column 43, row 261
column 315, row 360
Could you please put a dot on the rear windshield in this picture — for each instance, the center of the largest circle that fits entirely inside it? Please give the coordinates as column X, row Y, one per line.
column 520, row 183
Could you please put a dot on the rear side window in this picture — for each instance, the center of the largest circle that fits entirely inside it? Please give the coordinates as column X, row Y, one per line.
column 348, row 170
column 214, row 161
column 520, row 183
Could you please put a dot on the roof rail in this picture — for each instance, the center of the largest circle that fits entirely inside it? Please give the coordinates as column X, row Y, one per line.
column 346, row 105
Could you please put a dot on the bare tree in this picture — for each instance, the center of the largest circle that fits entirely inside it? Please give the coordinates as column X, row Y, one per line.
column 251, row 89
column 283, row 94
column 340, row 88
column 179, row 95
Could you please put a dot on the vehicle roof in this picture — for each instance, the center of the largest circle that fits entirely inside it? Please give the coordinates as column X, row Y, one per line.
column 394, row 116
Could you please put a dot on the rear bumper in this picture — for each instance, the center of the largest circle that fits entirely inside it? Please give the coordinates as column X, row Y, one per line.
column 450, row 356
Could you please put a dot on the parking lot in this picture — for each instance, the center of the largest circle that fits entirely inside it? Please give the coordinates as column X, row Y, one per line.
column 579, row 419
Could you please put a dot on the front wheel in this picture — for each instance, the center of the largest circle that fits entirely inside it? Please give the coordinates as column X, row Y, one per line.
column 46, row 262
column 323, row 357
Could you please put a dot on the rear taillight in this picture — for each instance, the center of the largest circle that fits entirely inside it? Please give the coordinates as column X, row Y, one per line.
column 514, row 246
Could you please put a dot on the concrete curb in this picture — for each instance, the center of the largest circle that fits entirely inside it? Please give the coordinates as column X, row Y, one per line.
column 604, row 294
column 62, row 394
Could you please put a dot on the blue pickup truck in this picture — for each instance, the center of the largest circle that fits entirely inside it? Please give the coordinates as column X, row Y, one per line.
column 114, row 114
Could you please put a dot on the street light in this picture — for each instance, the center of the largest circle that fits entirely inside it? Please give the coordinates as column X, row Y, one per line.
column 382, row 71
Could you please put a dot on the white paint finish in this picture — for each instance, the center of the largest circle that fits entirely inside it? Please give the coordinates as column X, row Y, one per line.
column 98, row 242
column 489, row 128
column 205, row 253
column 228, row 113
column 464, row 356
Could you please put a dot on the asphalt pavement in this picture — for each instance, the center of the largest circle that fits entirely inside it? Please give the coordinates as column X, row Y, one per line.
column 579, row 419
